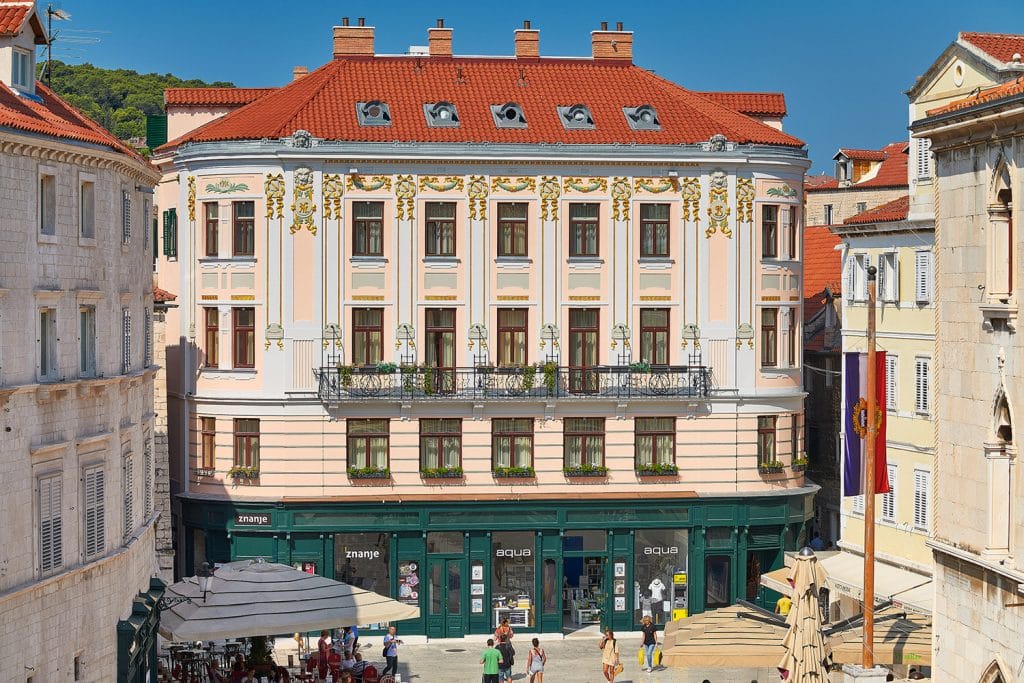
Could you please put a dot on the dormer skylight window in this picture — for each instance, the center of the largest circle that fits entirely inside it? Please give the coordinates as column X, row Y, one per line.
column 644, row 117
column 373, row 113
column 576, row 117
column 509, row 115
column 441, row 115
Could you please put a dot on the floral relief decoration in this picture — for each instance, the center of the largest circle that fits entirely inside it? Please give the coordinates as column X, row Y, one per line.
column 691, row 198
column 549, row 194
column 377, row 182
column 192, row 198
column 744, row 200
column 303, row 207
column 718, row 205
column 653, row 185
column 431, row 182
column 405, row 191
column 785, row 191
column 273, row 187
column 521, row 183
column 621, row 195
column 591, row 185
column 332, row 191
column 224, row 186
column 478, row 197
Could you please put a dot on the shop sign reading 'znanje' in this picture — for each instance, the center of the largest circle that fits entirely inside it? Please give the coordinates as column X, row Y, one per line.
column 249, row 519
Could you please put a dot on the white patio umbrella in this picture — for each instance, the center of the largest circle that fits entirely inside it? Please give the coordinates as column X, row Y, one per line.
column 255, row 598
column 806, row 647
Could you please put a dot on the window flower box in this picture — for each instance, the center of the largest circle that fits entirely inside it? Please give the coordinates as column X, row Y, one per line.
column 640, row 366
column 773, row 467
column 800, row 464
column 386, row 367
column 656, row 469
column 586, row 470
column 238, row 472
column 441, row 472
column 369, row 473
column 514, row 472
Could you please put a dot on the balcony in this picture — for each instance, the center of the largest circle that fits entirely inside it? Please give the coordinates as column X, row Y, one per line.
column 537, row 383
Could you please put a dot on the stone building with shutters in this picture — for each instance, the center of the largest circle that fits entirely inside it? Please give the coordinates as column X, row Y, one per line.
column 500, row 337
column 977, row 531
column 78, row 510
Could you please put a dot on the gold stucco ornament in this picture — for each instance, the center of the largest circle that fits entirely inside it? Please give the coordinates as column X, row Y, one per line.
column 431, row 182
column 405, row 192
column 691, row 198
column 549, row 194
column 303, row 207
column 477, row 197
column 273, row 188
column 192, row 198
column 621, row 195
column 744, row 200
column 333, row 190
column 718, row 205
column 518, row 185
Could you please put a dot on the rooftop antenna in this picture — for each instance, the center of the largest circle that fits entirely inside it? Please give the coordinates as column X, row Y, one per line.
column 51, row 14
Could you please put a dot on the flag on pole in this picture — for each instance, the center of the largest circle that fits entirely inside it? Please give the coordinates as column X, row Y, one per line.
column 856, row 424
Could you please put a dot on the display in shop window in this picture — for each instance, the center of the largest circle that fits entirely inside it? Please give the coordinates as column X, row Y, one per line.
column 476, row 589
column 620, row 569
column 477, row 605
column 363, row 560
column 619, row 587
column 408, row 583
column 659, row 556
column 477, row 572
column 513, row 577
column 620, row 604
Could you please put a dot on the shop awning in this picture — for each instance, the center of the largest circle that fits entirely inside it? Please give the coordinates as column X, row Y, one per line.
column 846, row 575
column 722, row 638
column 897, row 641
column 777, row 581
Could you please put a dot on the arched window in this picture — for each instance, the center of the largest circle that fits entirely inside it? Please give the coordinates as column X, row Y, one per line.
column 994, row 673
column 999, row 285
column 1000, row 451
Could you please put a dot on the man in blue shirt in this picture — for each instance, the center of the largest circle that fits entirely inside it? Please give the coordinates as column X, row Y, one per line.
column 391, row 643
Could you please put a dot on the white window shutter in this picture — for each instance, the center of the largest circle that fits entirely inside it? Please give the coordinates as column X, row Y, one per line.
column 891, row 374
column 95, row 513
column 858, row 504
column 126, row 340
column 880, row 293
column 147, row 478
column 924, row 158
column 129, row 495
column 922, row 385
column 51, row 531
column 922, row 494
column 889, row 499
column 894, row 285
column 848, row 267
column 923, row 276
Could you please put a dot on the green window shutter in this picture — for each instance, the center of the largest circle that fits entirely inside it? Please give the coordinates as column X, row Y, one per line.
column 171, row 233
column 156, row 130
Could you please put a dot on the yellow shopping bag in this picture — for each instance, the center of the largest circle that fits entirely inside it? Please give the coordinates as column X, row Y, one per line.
column 657, row 657
column 640, row 656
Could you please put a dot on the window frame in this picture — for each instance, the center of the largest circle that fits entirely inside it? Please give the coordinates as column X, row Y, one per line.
column 126, row 217
column 581, row 376
column 924, row 277
column 828, row 211
column 570, row 428
column 207, row 442
column 365, row 437
column 792, row 339
column 126, row 340
column 580, row 226
column 888, row 507
column 430, row 329
column 95, row 506
column 86, row 340
column 23, row 71
column 518, row 229
column 770, row 231
column 243, row 335
column 46, row 343
column 891, row 382
column 87, row 207
column 48, row 203
column 362, row 337
column 650, row 227
column 211, row 336
column 769, row 337
column 655, row 434
column 652, row 332
column 436, row 225
column 923, row 387
column 245, row 442
column 794, row 436
column 243, row 229
column 793, row 237
column 767, row 439
column 432, row 429
column 211, row 229
column 504, row 428
column 922, row 499
column 128, row 493
column 363, row 226
column 49, row 490
column 520, row 351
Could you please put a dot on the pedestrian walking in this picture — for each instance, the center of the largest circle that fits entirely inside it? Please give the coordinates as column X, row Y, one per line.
column 491, row 659
column 503, row 631
column 508, row 658
column 610, row 664
column 535, row 663
column 391, row 643
column 650, row 632
column 783, row 605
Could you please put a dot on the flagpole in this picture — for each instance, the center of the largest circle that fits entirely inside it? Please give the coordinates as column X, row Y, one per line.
column 867, row 652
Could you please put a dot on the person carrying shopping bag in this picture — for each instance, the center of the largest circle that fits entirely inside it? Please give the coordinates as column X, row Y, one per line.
column 610, row 664
column 650, row 632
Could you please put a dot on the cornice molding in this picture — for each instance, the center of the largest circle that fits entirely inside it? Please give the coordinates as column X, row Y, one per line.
column 68, row 152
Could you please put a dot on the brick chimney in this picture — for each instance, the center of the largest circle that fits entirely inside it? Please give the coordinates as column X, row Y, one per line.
column 527, row 41
column 299, row 71
column 617, row 44
column 440, row 40
column 353, row 41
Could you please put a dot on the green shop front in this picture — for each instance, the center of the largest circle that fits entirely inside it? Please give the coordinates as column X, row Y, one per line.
column 546, row 566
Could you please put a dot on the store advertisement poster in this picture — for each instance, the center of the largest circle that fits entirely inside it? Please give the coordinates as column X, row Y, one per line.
column 408, row 583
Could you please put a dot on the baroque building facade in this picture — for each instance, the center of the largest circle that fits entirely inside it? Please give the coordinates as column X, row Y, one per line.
column 532, row 322
column 78, row 512
column 978, row 525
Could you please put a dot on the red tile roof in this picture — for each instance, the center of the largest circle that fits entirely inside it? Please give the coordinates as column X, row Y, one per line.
column 323, row 103
column 1001, row 46
column 1014, row 87
column 824, row 180
column 213, row 96
column 13, row 16
column 162, row 296
column 751, row 103
column 822, row 267
column 55, row 117
column 862, row 154
column 892, row 172
column 896, row 210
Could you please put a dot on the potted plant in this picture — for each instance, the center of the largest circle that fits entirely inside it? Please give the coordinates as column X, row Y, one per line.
column 657, row 469
column 550, row 377
column 429, row 386
column 345, row 375
column 585, row 470
column 770, row 467
column 446, row 472
column 519, row 472
column 529, row 374
column 386, row 367
column 408, row 378
column 369, row 473
column 242, row 472
column 800, row 463
column 640, row 366
column 484, row 368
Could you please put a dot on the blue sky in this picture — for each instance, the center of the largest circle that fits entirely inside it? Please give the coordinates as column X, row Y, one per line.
column 843, row 66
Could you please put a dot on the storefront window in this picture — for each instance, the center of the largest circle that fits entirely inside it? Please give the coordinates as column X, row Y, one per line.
column 552, row 596
column 659, row 574
column 587, row 539
column 716, row 576
column 444, row 542
column 362, row 560
column 512, row 578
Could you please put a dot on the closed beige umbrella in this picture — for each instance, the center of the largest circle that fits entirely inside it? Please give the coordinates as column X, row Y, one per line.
column 733, row 637
column 903, row 640
column 254, row 598
column 806, row 648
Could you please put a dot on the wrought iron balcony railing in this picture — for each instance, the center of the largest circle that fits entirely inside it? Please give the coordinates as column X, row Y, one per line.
column 517, row 383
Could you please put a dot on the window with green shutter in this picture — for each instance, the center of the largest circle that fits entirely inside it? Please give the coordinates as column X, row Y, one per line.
column 171, row 233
